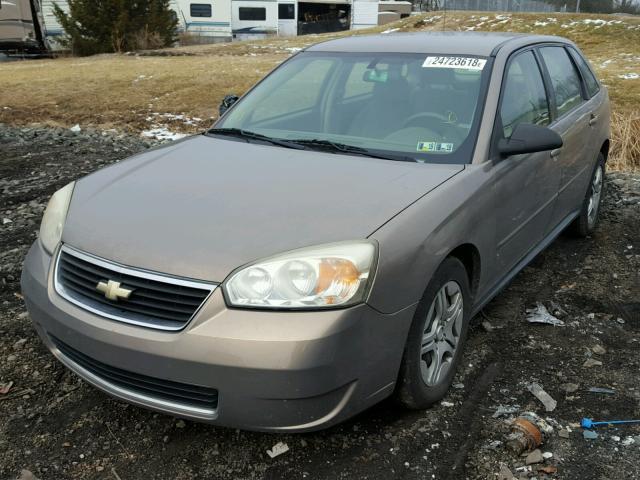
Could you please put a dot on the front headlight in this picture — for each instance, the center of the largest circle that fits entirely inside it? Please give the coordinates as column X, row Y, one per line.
column 54, row 217
column 324, row 276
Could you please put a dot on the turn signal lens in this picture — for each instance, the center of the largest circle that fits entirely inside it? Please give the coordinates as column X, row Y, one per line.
column 325, row 276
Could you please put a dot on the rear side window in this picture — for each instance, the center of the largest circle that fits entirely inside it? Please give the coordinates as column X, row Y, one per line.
column 524, row 99
column 587, row 73
column 252, row 13
column 564, row 79
column 200, row 9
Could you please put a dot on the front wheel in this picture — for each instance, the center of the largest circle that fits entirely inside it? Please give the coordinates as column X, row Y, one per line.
column 587, row 220
column 436, row 337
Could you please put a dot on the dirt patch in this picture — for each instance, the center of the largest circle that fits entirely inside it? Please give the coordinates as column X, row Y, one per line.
column 58, row 427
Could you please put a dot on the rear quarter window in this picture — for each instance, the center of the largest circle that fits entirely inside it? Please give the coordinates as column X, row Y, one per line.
column 587, row 74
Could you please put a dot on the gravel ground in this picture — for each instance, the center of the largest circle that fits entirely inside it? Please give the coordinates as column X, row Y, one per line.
column 57, row 427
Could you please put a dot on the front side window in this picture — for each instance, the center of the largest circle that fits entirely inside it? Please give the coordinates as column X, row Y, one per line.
column 587, row 73
column 252, row 13
column 200, row 10
column 286, row 11
column 564, row 78
column 524, row 99
column 422, row 106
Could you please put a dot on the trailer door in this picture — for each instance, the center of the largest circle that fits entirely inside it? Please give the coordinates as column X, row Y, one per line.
column 287, row 19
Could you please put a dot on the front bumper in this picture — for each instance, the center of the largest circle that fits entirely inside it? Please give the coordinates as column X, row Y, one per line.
column 274, row 371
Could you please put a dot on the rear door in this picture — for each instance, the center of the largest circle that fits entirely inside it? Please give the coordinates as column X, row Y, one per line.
column 525, row 185
column 572, row 112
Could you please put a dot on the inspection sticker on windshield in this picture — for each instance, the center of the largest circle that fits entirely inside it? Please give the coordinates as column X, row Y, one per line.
column 435, row 147
column 468, row 63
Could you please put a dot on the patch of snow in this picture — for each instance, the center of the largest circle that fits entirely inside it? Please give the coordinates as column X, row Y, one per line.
column 76, row 128
column 630, row 76
column 484, row 19
column 296, row 49
column 538, row 23
column 605, row 63
column 391, row 30
column 162, row 133
column 432, row 19
column 503, row 17
column 142, row 77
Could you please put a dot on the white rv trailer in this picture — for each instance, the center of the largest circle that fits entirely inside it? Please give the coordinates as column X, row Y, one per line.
column 205, row 21
column 52, row 29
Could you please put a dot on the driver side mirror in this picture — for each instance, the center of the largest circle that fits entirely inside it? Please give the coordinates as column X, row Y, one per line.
column 227, row 102
column 529, row 138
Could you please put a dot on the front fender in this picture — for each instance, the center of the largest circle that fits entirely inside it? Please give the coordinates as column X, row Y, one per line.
column 416, row 241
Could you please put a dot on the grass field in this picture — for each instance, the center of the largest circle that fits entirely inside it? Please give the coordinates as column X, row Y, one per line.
column 179, row 89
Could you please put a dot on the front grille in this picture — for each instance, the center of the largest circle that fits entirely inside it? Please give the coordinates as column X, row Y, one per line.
column 156, row 300
column 153, row 388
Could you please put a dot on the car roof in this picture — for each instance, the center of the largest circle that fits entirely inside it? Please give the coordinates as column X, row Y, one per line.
column 468, row 43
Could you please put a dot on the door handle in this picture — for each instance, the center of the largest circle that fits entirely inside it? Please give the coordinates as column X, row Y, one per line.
column 593, row 118
column 555, row 153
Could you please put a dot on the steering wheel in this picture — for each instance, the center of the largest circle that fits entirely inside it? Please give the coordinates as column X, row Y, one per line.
column 430, row 115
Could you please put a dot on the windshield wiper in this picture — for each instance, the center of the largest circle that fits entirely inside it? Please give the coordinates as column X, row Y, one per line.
column 337, row 147
column 248, row 135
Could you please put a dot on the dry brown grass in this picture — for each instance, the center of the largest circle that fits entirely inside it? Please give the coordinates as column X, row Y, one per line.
column 134, row 92
column 625, row 138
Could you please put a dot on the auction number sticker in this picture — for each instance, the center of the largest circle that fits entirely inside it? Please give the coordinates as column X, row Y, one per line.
column 468, row 63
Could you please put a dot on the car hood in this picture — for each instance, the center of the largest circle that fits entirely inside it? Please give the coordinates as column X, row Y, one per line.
column 202, row 207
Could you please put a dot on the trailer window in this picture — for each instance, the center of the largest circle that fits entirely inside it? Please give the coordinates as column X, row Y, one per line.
column 286, row 11
column 200, row 10
column 252, row 13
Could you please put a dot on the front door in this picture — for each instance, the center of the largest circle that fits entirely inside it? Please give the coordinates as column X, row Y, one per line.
column 526, row 186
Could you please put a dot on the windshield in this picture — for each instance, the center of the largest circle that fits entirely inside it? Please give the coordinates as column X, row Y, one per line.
column 424, row 107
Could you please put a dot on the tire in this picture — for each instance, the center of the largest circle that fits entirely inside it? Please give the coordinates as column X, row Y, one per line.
column 587, row 220
column 419, row 385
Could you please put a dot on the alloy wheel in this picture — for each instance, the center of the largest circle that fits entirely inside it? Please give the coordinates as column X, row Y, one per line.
column 594, row 196
column 441, row 333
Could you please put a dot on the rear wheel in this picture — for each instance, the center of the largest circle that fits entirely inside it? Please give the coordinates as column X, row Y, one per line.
column 436, row 337
column 587, row 220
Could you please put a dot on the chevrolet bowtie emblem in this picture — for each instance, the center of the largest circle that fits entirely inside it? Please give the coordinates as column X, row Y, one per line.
column 113, row 291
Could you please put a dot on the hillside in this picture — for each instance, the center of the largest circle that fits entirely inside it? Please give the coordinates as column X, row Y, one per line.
column 179, row 89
